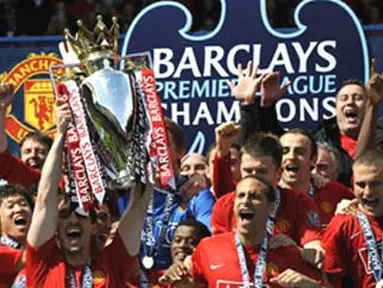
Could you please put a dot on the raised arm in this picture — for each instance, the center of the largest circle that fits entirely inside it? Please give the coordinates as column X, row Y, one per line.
column 44, row 219
column 132, row 220
column 226, row 135
column 257, row 114
column 6, row 95
column 367, row 134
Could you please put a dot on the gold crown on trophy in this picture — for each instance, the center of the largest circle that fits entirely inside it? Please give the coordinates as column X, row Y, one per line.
column 100, row 43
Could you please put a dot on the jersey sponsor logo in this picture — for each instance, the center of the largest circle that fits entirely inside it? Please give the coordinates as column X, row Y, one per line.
column 235, row 284
column 363, row 256
column 326, row 207
column 99, row 277
column 313, row 218
column 283, row 226
column 216, row 266
column 272, row 270
column 33, row 88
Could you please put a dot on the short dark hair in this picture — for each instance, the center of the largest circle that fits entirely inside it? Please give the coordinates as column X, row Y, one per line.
column 356, row 82
column 371, row 157
column 305, row 132
column 202, row 230
column 214, row 145
column 9, row 190
column 176, row 133
column 264, row 144
column 39, row 137
column 270, row 191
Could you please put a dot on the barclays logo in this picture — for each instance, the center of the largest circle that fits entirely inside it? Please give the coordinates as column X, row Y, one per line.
column 327, row 47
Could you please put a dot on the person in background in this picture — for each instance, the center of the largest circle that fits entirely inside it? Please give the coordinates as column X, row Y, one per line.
column 16, row 206
column 34, row 149
column 341, row 131
column 328, row 161
column 191, row 199
column 188, row 234
column 193, row 163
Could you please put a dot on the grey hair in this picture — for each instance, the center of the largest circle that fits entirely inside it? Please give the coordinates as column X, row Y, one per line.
column 334, row 153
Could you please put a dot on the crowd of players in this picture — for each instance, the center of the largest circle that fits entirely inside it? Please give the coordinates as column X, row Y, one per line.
column 264, row 208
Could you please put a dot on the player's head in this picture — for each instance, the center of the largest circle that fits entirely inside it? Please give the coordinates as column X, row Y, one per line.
column 350, row 107
column 368, row 181
column 328, row 161
column 34, row 148
column 261, row 156
column 16, row 207
column 254, row 200
column 299, row 156
column 73, row 229
column 194, row 163
column 187, row 235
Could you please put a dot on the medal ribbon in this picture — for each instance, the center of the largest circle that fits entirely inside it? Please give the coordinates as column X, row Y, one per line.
column 152, row 245
column 87, row 277
column 311, row 191
column 374, row 258
column 262, row 255
column 9, row 242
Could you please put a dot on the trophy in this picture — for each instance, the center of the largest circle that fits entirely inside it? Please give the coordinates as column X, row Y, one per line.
column 109, row 142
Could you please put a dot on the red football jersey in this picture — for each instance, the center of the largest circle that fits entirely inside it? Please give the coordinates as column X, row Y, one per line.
column 46, row 266
column 346, row 251
column 348, row 145
column 222, row 270
column 297, row 216
column 328, row 197
column 9, row 258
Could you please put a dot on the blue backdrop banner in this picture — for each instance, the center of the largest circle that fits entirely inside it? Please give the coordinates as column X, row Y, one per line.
column 328, row 47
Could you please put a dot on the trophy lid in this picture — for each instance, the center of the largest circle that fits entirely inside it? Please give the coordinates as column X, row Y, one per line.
column 93, row 47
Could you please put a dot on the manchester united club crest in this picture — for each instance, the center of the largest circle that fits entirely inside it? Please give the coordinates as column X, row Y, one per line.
column 32, row 107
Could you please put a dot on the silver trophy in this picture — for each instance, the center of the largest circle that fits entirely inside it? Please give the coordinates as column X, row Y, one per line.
column 115, row 115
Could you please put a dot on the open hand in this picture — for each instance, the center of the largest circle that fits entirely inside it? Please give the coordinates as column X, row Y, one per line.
column 271, row 90
column 248, row 84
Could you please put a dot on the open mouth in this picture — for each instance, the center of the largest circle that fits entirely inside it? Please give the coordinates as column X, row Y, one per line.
column 246, row 216
column 292, row 168
column 20, row 221
column 74, row 235
column 351, row 115
column 371, row 203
